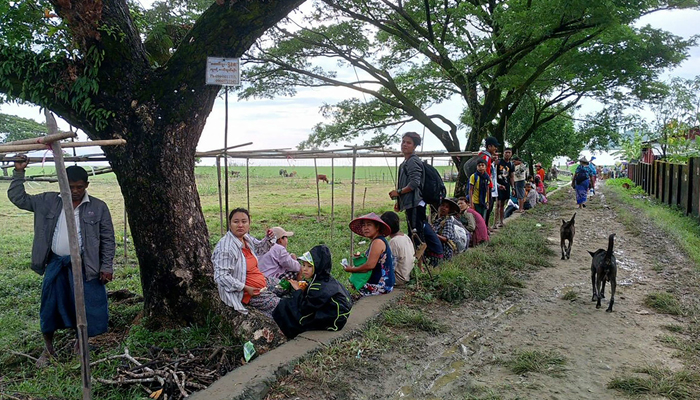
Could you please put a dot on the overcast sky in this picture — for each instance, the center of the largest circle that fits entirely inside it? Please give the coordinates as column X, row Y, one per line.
column 284, row 122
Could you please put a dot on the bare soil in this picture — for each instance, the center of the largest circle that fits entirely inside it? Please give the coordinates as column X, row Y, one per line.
column 465, row 361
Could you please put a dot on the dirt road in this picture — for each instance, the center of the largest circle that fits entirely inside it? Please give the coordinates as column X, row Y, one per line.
column 464, row 362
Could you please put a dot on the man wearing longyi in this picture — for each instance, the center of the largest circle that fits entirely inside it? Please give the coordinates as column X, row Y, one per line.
column 51, row 254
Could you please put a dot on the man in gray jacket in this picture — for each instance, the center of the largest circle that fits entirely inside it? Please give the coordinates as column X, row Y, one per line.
column 410, row 184
column 51, row 254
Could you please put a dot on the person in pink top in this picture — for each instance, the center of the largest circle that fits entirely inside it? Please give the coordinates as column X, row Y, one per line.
column 278, row 262
column 481, row 232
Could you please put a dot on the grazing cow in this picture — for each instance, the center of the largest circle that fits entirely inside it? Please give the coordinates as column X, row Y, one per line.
column 321, row 177
column 283, row 172
column 235, row 174
column 292, row 175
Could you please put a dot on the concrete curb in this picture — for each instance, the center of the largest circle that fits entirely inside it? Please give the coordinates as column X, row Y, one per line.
column 252, row 381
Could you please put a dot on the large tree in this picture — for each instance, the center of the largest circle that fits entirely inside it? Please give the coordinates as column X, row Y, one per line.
column 89, row 65
column 411, row 55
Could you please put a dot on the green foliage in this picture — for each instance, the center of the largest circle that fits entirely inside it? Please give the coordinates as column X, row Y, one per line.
column 550, row 362
column 631, row 147
column 663, row 302
column 406, row 64
column 16, row 128
column 679, row 385
column 409, row 317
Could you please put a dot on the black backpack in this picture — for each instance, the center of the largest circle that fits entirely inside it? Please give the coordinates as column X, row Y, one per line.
column 434, row 190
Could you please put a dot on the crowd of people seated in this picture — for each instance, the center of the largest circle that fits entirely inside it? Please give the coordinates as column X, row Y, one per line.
column 301, row 294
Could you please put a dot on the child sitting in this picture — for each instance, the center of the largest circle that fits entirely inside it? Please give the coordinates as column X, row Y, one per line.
column 401, row 248
column 324, row 305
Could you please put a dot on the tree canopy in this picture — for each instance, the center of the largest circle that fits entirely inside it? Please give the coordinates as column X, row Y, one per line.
column 17, row 128
column 87, row 61
column 412, row 55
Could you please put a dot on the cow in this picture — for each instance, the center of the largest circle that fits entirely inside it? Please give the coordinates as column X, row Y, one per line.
column 321, row 177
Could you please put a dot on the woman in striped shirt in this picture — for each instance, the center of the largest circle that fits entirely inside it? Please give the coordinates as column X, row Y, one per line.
column 236, row 270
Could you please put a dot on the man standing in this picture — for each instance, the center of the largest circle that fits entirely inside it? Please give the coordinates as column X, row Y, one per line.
column 409, row 186
column 51, row 254
column 505, row 183
column 519, row 175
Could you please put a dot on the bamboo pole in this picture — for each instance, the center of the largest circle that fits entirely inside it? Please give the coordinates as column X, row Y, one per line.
column 247, row 181
column 126, row 224
column 30, row 147
column 318, row 195
column 363, row 199
column 226, row 148
column 76, row 262
column 211, row 153
column 332, row 197
column 221, row 205
column 51, row 137
column 352, row 201
column 31, row 178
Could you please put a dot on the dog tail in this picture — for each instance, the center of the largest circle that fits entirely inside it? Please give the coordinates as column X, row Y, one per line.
column 611, row 243
column 572, row 218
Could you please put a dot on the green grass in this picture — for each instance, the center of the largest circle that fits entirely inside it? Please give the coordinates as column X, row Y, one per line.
column 570, row 295
column 405, row 317
column 493, row 267
column 684, row 230
column 664, row 303
column 549, row 362
column 678, row 385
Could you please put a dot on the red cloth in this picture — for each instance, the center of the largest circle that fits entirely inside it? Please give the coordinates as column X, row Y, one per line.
column 481, row 233
column 253, row 276
column 489, row 161
column 540, row 172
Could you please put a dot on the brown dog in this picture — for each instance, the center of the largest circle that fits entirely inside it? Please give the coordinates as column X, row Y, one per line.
column 566, row 232
column 604, row 269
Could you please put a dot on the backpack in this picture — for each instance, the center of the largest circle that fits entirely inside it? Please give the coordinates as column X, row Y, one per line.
column 581, row 176
column 433, row 189
column 461, row 237
column 470, row 166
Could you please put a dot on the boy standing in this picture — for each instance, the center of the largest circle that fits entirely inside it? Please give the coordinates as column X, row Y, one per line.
column 480, row 189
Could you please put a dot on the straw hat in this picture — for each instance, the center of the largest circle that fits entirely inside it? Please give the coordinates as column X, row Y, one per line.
column 583, row 160
column 454, row 208
column 356, row 224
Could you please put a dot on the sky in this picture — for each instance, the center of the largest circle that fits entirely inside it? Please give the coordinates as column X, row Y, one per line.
column 284, row 122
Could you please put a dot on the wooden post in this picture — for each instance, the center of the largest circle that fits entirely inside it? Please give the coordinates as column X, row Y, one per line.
column 318, row 194
column 126, row 255
column 352, row 201
column 247, row 180
column 332, row 196
column 76, row 262
column 226, row 148
column 363, row 199
column 221, row 205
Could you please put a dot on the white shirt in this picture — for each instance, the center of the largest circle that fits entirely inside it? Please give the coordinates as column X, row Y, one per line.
column 60, row 245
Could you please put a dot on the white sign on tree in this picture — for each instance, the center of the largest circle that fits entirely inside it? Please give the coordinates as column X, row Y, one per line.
column 223, row 71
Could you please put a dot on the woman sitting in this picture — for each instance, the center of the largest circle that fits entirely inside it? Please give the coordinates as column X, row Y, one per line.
column 236, row 270
column 324, row 304
column 444, row 227
column 278, row 262
column 541, row 197
column 530, row 196
column 379, row 258
column 473, row 222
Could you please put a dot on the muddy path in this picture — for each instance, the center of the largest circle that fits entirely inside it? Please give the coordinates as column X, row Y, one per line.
column 464, row 362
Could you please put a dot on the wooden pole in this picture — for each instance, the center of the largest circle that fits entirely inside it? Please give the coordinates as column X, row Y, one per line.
column 318, row 194
column 126, row 255
column 352, row 201
column 363, row 199
column 332, row 196
column 51, row 137
column 76, row 262
column 247, row 181
column 30, row 147
column 226, row 148
column 221, row 205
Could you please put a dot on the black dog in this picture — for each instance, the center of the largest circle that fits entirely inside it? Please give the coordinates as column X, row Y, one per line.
column 604, row 269
column 567, row 232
